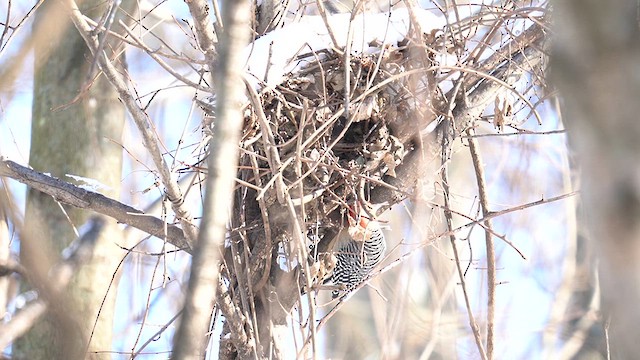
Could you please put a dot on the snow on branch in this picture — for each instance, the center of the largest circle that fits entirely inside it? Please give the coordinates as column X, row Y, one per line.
column 271, row 57
column 76, row 196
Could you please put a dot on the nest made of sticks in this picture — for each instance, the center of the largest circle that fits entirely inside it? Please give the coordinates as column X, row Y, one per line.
column 305, row 146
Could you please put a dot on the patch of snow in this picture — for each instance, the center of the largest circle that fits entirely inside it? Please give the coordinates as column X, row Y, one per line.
column 273, row 56
column 88, row 183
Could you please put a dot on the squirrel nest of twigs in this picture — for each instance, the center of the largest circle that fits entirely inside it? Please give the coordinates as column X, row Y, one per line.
column 300, row 148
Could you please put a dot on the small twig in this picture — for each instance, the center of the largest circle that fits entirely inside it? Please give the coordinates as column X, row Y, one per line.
column 323, row 15
column 495, row 214
column 155, row 336
column 40, row 32
column 16, row 29
column 6, row 23
column 480, row 222
column 347, row 57
column 476, row 158
column 152, row 54
column 449, row 220
column 105, row 24
column 302, row 246
column 268, row 237
column 189, row 62
column 270, row 145
column 243, row 275
column 116, row 273
column 519, row 132
column 147, row 306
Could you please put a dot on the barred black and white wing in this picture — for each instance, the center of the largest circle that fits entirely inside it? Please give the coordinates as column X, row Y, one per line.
column 356, row 259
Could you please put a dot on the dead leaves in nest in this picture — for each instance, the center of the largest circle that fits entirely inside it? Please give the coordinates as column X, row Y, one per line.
column 331, row 150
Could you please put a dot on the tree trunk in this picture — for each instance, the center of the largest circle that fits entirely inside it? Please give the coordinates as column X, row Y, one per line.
column 78, row 138
column 596, row 61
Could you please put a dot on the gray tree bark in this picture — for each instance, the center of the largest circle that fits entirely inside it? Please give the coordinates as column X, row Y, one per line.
column 190, row 340
column 595, row 65
column 77, row 136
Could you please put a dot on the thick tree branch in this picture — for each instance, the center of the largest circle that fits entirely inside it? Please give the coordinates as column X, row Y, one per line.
column 84, row 199
column 222, row 163
column 203, row 23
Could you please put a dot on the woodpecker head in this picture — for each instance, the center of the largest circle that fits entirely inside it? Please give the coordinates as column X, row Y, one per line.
column 361, row 225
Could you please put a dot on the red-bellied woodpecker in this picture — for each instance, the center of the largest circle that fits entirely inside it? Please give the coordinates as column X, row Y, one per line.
column 358, row 251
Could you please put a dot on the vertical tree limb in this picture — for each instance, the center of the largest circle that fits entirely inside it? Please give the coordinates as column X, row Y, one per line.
column 596, row 59
column 68, row 106
column 490, row 249
column 222, row 162
column 452, row 238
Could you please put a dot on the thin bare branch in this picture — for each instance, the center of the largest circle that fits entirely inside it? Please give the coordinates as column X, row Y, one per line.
column 444, row 176
column 476, row 158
